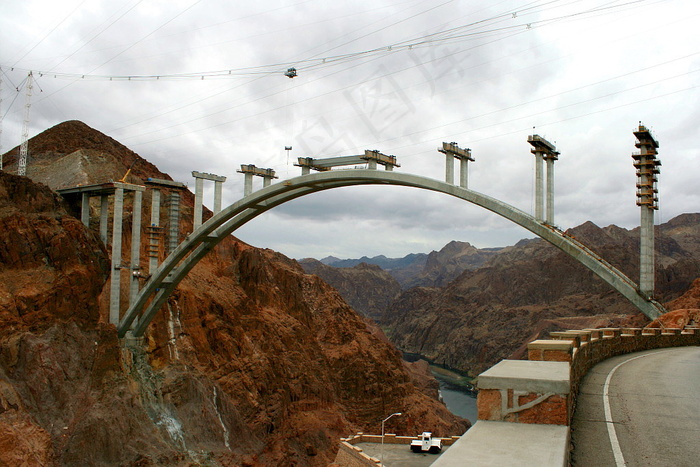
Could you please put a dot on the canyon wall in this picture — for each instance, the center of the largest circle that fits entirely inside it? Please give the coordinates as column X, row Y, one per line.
column 250, row 362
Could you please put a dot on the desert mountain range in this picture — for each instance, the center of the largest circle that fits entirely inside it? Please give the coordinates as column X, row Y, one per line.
column 467, row 308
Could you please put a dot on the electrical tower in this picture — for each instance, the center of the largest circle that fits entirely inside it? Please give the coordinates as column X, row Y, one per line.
column 22, row 165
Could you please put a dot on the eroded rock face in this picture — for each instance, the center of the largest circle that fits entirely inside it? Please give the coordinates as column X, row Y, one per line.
column 530, row 289
column 367, row 288
column 251, row 362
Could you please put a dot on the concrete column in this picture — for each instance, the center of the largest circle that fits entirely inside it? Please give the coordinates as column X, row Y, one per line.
column 198, row 195
column 464, row 172
column 104, row 217
column 267, row 181
column 646, row 258
column 217, row 196
column 550, row 191
column 372, row 164
column 116, row 256
column 155, row 222
column 247, row 184
column 305, row 170
column 389, row 167
column 539, row 199
column 85, row 209
column 449, row 168
column 135, row 246
column 174, row 221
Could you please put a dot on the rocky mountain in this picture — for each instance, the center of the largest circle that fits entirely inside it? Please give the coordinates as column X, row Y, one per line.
column 367, row 288
column 434, row 269
column 489, row 313
column 441, row 267
column 371, row 287
column 404, row 270
column 250, row 362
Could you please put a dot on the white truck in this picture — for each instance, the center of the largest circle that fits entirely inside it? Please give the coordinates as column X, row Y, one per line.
column 427, row 443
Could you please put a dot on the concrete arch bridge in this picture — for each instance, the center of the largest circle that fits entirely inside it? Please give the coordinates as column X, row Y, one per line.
column 185, row 256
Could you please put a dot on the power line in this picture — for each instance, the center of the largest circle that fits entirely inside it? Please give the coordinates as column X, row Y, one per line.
column 455, row 34
column 49, row 33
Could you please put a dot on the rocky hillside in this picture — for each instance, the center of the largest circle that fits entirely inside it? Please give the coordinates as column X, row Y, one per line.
column 434, row 269
column 371, row 287
column 441, row 267
column 402, row 269
column 367, row 288
column 251, row 362
column 489, row 313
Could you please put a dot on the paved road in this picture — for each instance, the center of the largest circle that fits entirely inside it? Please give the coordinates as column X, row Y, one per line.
column 399, row 455
column 653, row 398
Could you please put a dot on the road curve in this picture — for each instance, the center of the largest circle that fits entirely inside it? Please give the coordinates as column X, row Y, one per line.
column 653, row 400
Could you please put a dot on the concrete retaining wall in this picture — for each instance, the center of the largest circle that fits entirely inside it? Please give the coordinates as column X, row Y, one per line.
column 583, row 349
column 528, row 405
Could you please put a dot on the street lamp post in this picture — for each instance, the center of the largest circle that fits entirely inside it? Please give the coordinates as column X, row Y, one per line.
column 381, row 452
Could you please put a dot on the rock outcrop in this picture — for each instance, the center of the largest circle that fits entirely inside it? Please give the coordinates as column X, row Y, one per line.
column 367, row 288
column 251, row 361
column 441, row 267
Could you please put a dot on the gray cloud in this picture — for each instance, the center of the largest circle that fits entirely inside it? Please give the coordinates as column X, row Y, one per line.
column 578, row 80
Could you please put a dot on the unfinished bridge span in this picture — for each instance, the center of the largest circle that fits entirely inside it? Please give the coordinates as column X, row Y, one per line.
column 188, row 253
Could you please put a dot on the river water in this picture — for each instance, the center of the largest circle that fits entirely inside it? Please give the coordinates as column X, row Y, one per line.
column 458, row 402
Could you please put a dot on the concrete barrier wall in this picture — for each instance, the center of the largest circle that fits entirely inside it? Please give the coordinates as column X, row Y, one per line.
column 351, row 456
column 583, row 349
column 528, row 405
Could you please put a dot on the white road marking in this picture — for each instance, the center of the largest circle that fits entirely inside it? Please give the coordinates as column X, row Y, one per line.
column 615, row 444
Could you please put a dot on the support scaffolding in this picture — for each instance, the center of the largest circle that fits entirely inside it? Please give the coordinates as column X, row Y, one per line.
column 647, row 166
column 155, row 231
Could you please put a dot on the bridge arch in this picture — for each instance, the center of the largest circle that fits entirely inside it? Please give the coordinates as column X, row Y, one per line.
column 203, row 239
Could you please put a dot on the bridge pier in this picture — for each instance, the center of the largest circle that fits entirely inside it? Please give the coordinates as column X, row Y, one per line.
column 135, row 247
column 198, row 194
column 452, row 152
column 173, row 220
column 249, row 170
column 543, row 151
column 104, row 191
column 647, row 166
column 104, row 217
column 115, row 283
column 154, row 230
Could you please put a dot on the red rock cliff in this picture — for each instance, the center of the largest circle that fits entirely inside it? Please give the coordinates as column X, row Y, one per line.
column 251, row 362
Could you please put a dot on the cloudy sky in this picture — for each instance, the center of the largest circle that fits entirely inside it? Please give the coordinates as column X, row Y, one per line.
column 200, row 85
